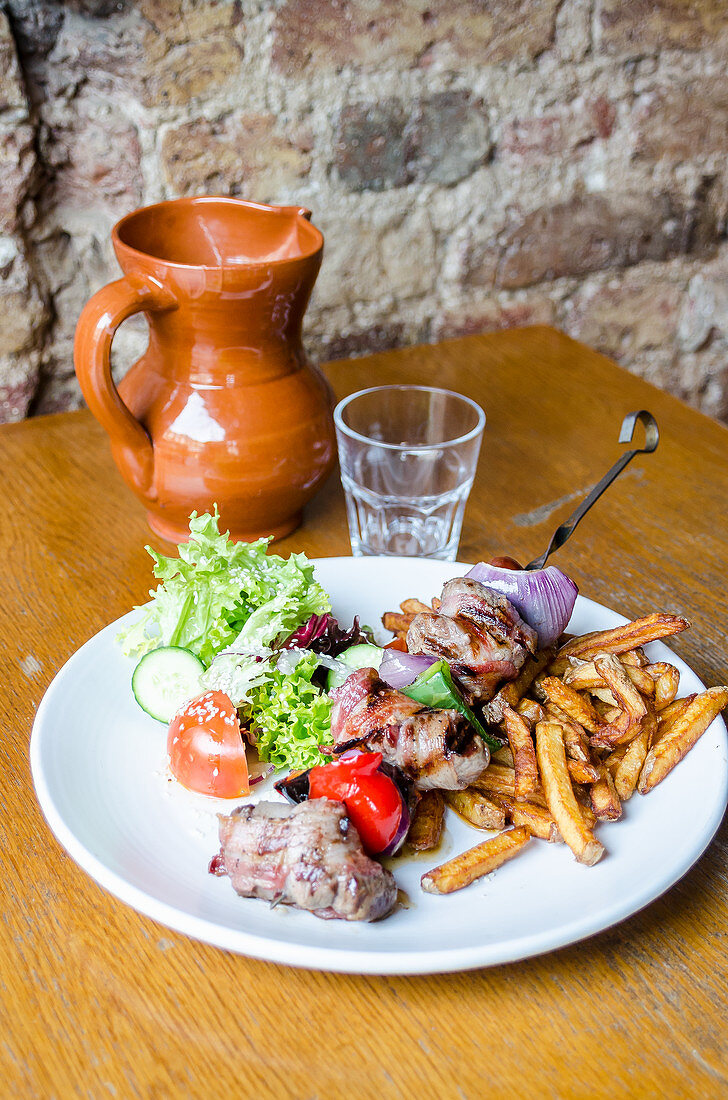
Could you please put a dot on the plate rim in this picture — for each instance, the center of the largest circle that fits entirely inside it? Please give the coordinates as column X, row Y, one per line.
column 350, row 960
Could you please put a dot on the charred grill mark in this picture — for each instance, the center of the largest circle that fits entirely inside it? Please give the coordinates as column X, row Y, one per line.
column 424, row 742
column 437, row 649
column 352, row 743
column 481, row 629
column 488, row 619
column 457, row 739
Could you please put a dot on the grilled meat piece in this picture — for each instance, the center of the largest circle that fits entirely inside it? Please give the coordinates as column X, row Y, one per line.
column 479, row 663
column 309, row 856
column 478, row 632
column 486, row 610
column 434, row 748
column 365, row 703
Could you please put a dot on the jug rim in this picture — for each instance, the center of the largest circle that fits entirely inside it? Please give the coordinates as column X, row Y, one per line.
column 299, row 211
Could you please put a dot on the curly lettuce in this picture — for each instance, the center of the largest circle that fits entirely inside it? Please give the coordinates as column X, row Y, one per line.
column 218, row 593
column 290, row 717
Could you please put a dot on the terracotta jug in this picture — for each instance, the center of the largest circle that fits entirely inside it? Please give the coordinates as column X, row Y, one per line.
column 223, row 407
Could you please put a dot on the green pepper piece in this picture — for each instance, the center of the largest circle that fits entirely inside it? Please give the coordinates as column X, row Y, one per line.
column 435, row 688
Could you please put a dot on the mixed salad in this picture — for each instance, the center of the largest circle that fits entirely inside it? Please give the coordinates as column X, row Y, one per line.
column 238, row 653
column 229, row 621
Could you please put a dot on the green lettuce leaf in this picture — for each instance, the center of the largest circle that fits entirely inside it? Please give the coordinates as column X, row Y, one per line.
column 237, row 675
column 212, row 589
column 290, row 717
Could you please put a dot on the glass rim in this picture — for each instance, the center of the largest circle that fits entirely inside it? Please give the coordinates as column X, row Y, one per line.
column 466, row 437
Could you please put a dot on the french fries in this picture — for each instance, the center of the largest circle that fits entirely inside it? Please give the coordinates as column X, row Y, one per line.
column 503, row 755
column 628, row 769
column 476, row 862
column 512, row 693
column 583, row 676
column 630, row 703
column 414, row 607
column 530, row 710
column 667, row 681
column 672, row 712
column 526, row 780
column 426, row 828
column 581, row 772
column 605, row 802
column 476, row 808
column 397, row 622
column 573, row 704
column 622, row 638
column 560, row 794
column 576, row 741
column 498, row 779
column 634, row 658
column 586, row 728
column 537, row 819
column 680, row 738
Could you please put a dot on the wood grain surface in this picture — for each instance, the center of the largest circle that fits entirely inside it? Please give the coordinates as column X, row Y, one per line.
column 99, row 1001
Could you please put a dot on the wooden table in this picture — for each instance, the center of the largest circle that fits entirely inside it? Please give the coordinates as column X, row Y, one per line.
column 98, row 1001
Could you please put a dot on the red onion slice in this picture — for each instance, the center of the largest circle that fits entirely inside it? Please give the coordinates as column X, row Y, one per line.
column 402, row 829
column 261, row 775
column 544, row 598
column 401, row 669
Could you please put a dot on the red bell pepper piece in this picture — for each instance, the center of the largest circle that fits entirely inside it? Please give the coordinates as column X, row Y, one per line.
column 372, row 799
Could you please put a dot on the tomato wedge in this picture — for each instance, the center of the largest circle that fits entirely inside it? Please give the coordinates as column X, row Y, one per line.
column 205, row 747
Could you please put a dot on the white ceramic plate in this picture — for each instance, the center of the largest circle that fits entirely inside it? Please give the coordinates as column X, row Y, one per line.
column 99, row 769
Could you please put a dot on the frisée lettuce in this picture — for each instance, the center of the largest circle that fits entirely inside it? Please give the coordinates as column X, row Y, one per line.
column 290, row 717
column 220, row 594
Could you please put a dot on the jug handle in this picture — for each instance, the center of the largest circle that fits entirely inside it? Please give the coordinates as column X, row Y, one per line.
column 97, row 325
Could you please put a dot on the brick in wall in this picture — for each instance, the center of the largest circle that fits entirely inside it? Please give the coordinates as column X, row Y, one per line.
column 367, row 34
column 648, row 26
column 589, row 233
column 439, row 139
column 237, row 154
column 684, row 122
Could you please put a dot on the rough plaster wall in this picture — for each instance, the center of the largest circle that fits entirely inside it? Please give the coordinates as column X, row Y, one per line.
column 473, row 165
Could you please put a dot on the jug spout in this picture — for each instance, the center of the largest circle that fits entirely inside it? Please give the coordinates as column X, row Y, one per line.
column 301, row 211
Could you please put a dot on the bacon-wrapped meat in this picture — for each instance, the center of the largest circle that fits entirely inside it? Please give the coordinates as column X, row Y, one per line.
column 434, row 748
column 309, row 856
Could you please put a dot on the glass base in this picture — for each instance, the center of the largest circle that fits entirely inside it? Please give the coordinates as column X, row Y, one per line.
column 446, row 553
column 404, row 527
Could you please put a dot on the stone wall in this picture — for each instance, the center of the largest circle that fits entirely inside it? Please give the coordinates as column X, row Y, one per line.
column 473, row 165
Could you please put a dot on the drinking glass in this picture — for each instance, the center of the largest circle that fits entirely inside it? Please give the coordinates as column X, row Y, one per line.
column 408, row 456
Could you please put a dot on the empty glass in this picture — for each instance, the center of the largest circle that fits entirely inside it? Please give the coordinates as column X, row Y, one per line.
column 408, row 456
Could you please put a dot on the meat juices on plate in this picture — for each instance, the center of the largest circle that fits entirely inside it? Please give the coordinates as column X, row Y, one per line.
column 478, row 632
column 434, row 748
column 309, row 856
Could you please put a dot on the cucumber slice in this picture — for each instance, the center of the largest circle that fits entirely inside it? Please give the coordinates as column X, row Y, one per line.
column 165, row 679
column 356, row 656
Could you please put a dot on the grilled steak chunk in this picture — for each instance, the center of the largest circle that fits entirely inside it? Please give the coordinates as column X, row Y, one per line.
column 487, row 609
column 309, row 856
column 478, row 632
column 479, row 662
column 434, row 748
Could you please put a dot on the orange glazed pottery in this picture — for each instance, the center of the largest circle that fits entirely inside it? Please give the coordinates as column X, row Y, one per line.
column 223, row 407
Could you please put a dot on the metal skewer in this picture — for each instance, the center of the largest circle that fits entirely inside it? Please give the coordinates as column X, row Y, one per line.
column 567, row 528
